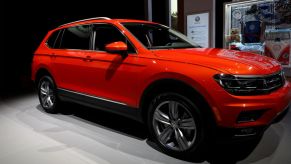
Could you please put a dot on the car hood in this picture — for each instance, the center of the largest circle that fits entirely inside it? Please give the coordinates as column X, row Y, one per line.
column 228, row 61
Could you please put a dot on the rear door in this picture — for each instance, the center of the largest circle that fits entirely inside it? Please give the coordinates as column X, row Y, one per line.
column 70, row 59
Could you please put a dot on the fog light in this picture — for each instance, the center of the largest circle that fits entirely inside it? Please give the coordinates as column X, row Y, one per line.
column 249, row 116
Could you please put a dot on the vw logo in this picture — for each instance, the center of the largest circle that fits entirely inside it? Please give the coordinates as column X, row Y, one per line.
column 197, row 19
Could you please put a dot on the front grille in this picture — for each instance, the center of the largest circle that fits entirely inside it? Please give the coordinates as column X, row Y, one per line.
column 264, row 84
column 273, row 82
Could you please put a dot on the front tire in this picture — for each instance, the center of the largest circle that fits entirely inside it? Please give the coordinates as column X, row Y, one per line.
column 175, row 124
column 47, row 94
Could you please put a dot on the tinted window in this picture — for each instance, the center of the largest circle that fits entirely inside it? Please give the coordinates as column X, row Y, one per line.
column 105, row 34
column 154, row 36
column 77, row 37
column 52, row 39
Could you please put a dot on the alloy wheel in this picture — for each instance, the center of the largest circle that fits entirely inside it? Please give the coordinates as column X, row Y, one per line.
column 174, row 125
column 47, row 96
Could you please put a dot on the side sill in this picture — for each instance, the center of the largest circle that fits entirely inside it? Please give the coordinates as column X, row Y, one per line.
column 101, row 104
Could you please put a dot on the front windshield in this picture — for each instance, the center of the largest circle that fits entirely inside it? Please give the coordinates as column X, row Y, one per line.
column 155, row 36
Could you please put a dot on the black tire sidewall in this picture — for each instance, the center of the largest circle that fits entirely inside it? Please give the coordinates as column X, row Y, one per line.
column 52, row 109
column 197, row 147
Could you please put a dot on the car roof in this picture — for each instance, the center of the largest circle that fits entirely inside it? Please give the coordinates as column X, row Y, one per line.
column 103, row 20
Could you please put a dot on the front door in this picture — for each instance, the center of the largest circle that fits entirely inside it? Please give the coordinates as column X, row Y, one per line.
column 113, row 76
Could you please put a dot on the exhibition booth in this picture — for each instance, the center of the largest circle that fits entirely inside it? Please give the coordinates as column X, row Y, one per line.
column 262, row 27
column 88, row 84
column 257, row 26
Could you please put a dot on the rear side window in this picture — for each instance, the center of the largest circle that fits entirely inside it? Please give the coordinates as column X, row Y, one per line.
column 51, row 42
column 77, row 37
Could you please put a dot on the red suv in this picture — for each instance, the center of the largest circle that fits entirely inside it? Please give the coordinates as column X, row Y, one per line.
column 153, row 74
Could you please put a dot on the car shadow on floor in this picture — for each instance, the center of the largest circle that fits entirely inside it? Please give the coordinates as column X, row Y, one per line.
column 222, row 153
column 107, row 120
column 225, row 153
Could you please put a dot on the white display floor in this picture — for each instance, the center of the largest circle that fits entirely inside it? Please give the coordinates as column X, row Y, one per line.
column 29, row 135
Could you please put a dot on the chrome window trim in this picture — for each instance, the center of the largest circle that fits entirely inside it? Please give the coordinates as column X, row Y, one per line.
column 90, row 48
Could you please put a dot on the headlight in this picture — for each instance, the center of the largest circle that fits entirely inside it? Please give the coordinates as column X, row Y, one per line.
column 250, row 85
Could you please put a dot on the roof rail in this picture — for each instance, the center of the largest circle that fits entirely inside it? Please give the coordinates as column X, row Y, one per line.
column 95, row 18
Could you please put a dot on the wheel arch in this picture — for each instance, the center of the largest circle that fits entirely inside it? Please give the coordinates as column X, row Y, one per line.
column 40, row 73
column 166, row 84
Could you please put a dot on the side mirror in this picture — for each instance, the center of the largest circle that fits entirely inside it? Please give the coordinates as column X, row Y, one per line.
column 117, row 47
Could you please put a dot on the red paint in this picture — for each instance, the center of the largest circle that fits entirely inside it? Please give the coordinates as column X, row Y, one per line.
column 116, row 46
column 114, row 77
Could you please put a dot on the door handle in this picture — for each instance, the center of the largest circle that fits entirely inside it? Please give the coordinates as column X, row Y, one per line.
column 88, row 59
column 53, row 55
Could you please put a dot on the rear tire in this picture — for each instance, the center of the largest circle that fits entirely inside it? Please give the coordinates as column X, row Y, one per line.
column 176, row 125
column 47, row 94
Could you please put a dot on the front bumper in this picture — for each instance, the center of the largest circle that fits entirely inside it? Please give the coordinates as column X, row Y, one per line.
column 246, row 133
column 229, row 108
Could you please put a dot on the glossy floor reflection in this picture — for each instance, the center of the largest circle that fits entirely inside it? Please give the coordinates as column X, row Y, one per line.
column 82, row 135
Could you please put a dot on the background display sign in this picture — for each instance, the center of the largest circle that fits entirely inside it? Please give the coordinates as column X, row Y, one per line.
column 198, row 28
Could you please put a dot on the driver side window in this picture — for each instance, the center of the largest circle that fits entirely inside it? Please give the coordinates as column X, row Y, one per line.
column 105, row 34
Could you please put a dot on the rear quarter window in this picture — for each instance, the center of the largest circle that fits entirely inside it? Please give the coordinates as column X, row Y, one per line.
column 52, row 41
